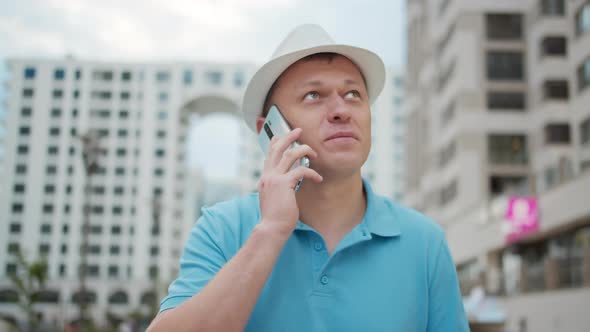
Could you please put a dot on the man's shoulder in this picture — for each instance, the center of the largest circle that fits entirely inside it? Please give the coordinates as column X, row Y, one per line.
column 235, row 210
column 411, row 221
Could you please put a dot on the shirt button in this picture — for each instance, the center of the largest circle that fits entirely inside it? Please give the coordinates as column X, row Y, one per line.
column 318, row 246
column 364, row 232
column 324, row 280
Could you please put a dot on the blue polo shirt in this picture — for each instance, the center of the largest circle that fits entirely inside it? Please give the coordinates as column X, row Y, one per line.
column 392, row 272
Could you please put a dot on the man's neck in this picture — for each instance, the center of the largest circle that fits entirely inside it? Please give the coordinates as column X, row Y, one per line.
column 334, row 206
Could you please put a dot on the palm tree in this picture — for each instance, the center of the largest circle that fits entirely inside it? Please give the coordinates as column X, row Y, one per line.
column 29, row 280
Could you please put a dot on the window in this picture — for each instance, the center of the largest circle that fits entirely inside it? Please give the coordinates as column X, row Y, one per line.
column 125, row 95
column 19, row 188
column 162, row 76
column 13, row 248
column 46, row 228
column 160, row 153
column 214, row 77
column 113, row 273
column 57, row 93
column 507, row 149
column 59, row 74
column 162, row 115
column 448, row 113
column 95, row 229
column 500, row 100
column 22, row 149
column 515, row 185
column 557, row 133
column 120, row 171
column 448, row 193
column 584, row 74
column 123, row 114
column 52, row 150
column 583, row 19
column 28, row 93
column 55, row 113
column 54, row 131
column 153, row 272
column 24, row 131
column 116, row 229
column 29, row 73
column 126, row 76
column 505, row 65
column 554, row 46
column 163, row 96
column 20, row 169
column 64, row 249
column 114, row 250
column 161, row 134
column 238, row 79
column 44, row 249
column 102, row 75
column 62, row 270
column 187, row 77
column 76, row 94
column 49, row 189
column 154, row 251
column 122, row 133
column 504, row 26
column 78, row 74
column 15, row 228
column 552, row 7
column 26, row 112
column 447, row 153
column 556, row 89
column 117, row 210
column 101, row 95
column 585, row 132
column 94, row 249
column 47, row 208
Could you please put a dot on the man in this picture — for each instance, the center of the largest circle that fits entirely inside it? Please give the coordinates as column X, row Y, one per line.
column 333, row 256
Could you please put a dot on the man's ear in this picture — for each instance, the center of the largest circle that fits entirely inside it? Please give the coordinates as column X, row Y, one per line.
column 259, row 123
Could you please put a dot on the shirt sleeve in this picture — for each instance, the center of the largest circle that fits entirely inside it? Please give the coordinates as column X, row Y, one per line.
column 445, row 304
column 201, row 259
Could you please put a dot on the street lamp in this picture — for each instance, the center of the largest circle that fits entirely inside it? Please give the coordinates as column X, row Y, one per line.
column 90, row 153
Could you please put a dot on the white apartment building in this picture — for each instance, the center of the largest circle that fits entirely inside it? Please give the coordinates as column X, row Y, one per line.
column 497, row 106
column 384, row 167
column 141, row 112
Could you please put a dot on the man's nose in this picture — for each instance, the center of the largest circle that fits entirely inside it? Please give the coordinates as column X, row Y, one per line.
column 338, row 110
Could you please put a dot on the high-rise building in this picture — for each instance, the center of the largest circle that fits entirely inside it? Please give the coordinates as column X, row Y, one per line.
column 142, row 199
column 497, row 107
column 384, row 166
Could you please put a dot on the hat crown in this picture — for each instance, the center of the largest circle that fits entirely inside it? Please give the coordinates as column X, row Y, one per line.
column 303, row 37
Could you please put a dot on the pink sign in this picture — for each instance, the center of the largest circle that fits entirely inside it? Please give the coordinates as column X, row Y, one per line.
column 522, row 218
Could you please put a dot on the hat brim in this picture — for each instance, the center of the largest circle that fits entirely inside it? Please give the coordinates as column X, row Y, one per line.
column 369, row 63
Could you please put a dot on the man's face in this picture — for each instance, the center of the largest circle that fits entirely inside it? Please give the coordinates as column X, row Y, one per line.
column 329, row 101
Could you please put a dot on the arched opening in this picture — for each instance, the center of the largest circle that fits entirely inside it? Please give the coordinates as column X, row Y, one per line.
column 47, row 296
column 213, row 144
column 147, row 298
column 87, row 297
column 118, row 297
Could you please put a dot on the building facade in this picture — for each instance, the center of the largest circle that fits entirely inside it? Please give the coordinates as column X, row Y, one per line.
column 143, row 199
column 496, row 107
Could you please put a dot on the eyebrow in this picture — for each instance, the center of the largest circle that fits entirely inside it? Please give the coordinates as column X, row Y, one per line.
column 348, row 81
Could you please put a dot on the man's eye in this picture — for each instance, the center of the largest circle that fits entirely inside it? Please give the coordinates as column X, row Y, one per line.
column 352, row 94
column 311, row 95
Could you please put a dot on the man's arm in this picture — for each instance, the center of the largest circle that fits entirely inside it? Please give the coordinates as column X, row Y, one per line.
column 228, row 298
column 226, row 302
column 445, row 304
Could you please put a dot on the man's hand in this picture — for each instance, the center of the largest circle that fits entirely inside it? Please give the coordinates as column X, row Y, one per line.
column 278, row 206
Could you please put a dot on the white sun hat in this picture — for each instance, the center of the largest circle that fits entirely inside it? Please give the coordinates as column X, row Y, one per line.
column 305, row 40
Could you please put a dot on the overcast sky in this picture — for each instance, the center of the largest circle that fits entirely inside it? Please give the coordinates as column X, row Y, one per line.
column 218, row 30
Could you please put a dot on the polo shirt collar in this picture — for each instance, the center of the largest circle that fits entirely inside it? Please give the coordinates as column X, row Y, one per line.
column 380, row 217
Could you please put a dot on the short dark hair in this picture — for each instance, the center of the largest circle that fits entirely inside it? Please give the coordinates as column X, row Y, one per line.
column 327, row 56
